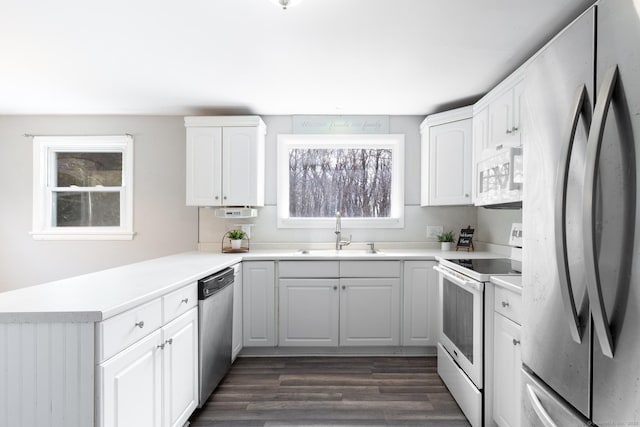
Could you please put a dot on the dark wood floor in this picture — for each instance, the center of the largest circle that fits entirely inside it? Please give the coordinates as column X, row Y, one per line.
column 318, row 391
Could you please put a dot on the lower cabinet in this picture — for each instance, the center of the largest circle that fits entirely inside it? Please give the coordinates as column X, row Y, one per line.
column 506, row 371
column 155, row 381
column 309, row 310
column 420, row 304
column 258, row 304
column 369, row 311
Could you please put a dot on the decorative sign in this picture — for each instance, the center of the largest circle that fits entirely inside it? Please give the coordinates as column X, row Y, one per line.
column 465, row 239
column 340, row 124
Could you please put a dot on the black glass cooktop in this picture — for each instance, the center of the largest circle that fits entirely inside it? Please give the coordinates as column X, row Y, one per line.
column 493, row 266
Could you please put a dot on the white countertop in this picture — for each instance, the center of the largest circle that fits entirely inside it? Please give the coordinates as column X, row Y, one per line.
column 513, row 283
column 97, row 296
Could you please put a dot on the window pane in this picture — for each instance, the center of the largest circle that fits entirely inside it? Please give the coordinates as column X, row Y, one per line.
column 86, row 209
column 88, row 169
column 354, row 181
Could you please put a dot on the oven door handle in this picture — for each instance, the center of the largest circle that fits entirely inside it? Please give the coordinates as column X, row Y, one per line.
column 469, row 284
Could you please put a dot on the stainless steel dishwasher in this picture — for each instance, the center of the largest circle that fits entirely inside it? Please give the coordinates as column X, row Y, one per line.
column 215, row 322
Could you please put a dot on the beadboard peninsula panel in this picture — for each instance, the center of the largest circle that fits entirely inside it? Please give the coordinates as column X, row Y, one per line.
column 46, row 374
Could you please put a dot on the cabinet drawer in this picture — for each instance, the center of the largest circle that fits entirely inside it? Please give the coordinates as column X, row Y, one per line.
column 508, row 303
column 179, row 301
column 305, row 269
column 370, row 269
column 121, row 331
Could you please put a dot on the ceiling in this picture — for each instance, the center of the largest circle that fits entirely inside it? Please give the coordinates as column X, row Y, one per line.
column 397, row 57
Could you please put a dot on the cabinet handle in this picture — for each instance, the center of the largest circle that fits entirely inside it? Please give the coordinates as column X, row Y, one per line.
column 344, row 287
column 466, row 194
column 514, row 129
column 217, row 197
column 160, row 346
column 140, row 324
column 169, row 341
column 185, row 300
column 516, row 342
column 335, row 288
column 509, row 132
column 225, row 197
column 499, row 147
column 505, row 304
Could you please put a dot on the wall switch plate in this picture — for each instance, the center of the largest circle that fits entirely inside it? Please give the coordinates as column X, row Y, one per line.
column 433, row 231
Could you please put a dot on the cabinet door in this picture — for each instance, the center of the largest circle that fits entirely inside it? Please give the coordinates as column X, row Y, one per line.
column 180, row 368
column 369, row 311
column 258, row 304
column 500, row 119
column 130, row 385
column 518, row 91
column 204, row 163
column 420, row 320
column 480, row 141
column 450, row 163
column 236, row 336
column 309, row 310
column 506, row 372
column 243, row 167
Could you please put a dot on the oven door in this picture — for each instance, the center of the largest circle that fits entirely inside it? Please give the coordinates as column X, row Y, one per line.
column 461, row 322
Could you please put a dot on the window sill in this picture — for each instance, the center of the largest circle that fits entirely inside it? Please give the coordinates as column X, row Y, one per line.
column 347, row 223
column 61, row 235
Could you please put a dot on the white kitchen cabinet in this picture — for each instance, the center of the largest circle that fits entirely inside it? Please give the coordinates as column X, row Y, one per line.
column 236, row 335
column 504, row 118
column 309, row 312
column 180, row 369
column 131, row 385
column 446, row 164
column 507, row 363
column 369, row 311
column 225, row 161
column 420, row 305
column 258, row 304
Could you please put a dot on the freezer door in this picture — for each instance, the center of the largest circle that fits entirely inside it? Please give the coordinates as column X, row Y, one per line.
column 558, row 88
column 616, row 380
column 542, row 407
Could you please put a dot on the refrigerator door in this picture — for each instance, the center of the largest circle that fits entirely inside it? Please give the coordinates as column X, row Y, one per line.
column 616, row 380
column 542, row 407
column 558, row 88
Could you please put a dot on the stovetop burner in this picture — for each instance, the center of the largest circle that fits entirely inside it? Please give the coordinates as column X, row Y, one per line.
column 491, row 266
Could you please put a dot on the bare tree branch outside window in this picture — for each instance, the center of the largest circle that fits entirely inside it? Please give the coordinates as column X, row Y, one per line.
column 354, row 181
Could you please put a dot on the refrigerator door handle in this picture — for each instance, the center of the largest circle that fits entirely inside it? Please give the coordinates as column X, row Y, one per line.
column 594, row 144
column 562, row 177
column 542, row 414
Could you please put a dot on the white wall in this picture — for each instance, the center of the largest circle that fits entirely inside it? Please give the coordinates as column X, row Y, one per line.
column 164, row 225
column 416, row 218
column 494, row 225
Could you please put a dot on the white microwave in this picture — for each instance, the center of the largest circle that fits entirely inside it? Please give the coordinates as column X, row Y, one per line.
column 499, row 178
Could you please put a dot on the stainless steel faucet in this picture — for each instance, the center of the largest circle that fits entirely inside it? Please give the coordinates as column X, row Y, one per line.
column 339, row 242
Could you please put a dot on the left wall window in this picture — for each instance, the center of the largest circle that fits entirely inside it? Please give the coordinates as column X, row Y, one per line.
column 83, row 188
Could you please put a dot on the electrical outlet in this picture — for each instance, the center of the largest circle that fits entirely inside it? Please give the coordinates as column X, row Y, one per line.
column 433, row 231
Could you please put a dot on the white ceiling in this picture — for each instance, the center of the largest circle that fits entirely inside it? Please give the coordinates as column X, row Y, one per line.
column 250, row 57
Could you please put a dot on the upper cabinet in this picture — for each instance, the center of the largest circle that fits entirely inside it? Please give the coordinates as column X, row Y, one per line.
column 496, row 118
column 225, row 161
column 447, row 158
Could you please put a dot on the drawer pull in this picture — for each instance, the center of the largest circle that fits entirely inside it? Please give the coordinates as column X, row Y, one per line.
column 335, row 288
column 344, row 287
column 185, row 300
column 140, row 324
column 170, row 341
column 505, row 304
column 516, row 342
column 160, row 346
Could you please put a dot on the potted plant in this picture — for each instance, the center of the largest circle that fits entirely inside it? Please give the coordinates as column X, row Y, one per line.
column 236, row 237
column 445, row 238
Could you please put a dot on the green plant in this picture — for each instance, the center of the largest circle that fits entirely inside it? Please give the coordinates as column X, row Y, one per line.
column 236, row 234
column 445, row 236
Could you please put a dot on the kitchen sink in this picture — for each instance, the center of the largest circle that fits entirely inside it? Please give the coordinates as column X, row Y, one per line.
column 344, row 252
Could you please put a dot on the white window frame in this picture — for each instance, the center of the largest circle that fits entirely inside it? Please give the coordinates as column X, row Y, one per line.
column 395, row 142
column 44, row 153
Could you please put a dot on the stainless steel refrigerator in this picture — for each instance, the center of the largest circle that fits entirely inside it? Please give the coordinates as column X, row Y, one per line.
column 581, row 260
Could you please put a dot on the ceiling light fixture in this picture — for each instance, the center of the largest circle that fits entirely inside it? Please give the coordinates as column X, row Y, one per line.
column 286, row 3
